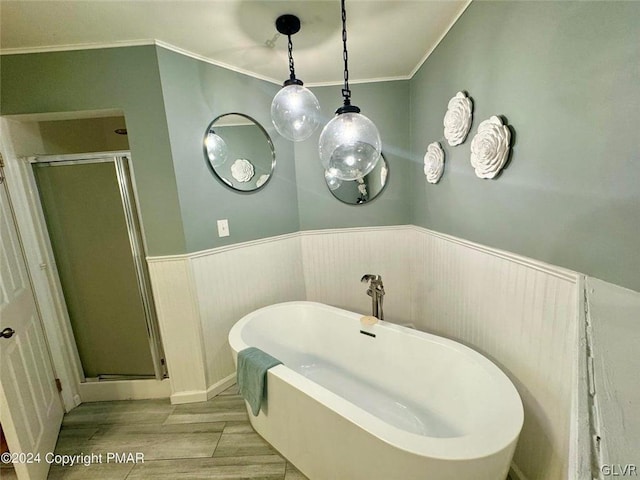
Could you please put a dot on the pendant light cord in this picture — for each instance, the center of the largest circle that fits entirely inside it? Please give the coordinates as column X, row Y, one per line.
column 292, row 71
column 346, row 92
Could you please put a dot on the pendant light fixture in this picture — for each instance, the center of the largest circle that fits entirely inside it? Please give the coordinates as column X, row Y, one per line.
column 350, row 144
column 295, row 111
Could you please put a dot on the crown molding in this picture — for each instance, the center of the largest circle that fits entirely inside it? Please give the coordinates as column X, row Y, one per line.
column 202, row 58
column 339, row 83
column 78, row 46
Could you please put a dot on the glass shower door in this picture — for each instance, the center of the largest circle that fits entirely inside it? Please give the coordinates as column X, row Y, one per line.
column 91, row 237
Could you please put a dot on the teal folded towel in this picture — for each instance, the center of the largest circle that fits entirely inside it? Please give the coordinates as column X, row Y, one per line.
column 253, row 364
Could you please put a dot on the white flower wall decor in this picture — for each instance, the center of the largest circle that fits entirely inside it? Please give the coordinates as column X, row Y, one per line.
column 434, row 162
column 490, row 147
column 242, row 170
column 457, row 120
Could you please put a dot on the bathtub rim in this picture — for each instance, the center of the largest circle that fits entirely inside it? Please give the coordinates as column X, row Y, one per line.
column 500, row 436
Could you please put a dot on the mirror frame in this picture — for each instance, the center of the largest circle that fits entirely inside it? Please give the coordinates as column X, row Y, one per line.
column 223, row 180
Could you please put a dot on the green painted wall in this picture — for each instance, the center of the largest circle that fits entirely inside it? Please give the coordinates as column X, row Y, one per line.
column 169, row 100
column 116, row 78
column 387, row 105
column 195, row 93
column 566, row 76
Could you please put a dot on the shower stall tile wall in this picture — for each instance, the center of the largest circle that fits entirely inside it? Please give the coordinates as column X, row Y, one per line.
column 520, row 313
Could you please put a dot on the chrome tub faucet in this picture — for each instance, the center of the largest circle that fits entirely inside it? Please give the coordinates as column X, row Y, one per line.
column 376, row 292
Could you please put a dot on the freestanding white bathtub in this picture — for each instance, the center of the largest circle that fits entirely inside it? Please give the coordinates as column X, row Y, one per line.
column 391, row 403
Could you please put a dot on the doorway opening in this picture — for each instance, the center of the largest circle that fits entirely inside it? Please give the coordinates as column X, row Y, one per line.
column 35, row 145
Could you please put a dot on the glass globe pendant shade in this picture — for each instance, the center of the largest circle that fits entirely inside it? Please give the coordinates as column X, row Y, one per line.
column 295, row 112
column 350, row 146
column 217, row 150
column 333, row 182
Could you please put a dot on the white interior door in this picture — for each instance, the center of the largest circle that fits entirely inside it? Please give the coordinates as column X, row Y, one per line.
column 30, row 407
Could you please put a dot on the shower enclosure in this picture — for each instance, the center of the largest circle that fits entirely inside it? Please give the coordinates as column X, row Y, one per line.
column 90, row 210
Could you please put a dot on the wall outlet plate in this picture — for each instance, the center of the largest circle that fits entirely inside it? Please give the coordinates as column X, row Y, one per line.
column 223, row 228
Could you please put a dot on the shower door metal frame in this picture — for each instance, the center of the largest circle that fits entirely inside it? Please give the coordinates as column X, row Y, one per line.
column 129, row 198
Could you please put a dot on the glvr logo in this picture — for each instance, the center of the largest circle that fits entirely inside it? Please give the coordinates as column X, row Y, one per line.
column 618, row 470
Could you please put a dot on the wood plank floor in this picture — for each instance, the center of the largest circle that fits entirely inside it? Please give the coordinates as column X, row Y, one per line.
column 208, row 440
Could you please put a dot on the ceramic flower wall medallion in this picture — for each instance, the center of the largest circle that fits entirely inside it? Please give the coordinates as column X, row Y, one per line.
column 242, row 170
column 434, row 162
column 457, row 120
column 490, row 148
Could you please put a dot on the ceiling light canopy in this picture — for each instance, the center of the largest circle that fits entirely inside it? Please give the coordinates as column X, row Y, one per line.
column 350, row 143
column 295, row 111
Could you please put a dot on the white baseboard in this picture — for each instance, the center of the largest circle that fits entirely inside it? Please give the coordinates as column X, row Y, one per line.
column 221, row 386
column 192, row 396
column 124, row 390
column 203, row 395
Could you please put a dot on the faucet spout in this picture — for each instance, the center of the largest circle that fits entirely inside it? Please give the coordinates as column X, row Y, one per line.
column 376, row 292
column 370, row 277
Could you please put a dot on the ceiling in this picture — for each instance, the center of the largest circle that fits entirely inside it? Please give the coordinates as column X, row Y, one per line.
column 387, row 39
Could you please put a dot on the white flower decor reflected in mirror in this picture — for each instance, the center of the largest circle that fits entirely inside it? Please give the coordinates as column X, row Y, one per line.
column 490, row 147
column 361, row 190
column 457, row 120
column 242, row 170
column 262, row 180
column 434, row 162
column 362, row 187
column 384, row 171
column 239, row 152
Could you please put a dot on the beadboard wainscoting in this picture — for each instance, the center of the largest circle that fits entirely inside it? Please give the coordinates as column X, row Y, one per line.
column 233, row 281
column 520, row 313
column 335, row 260
column 200, row 296
column 180, row 326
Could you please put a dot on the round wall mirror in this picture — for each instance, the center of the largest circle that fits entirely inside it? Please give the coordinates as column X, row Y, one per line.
column 361, row 190
column 239, row 152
